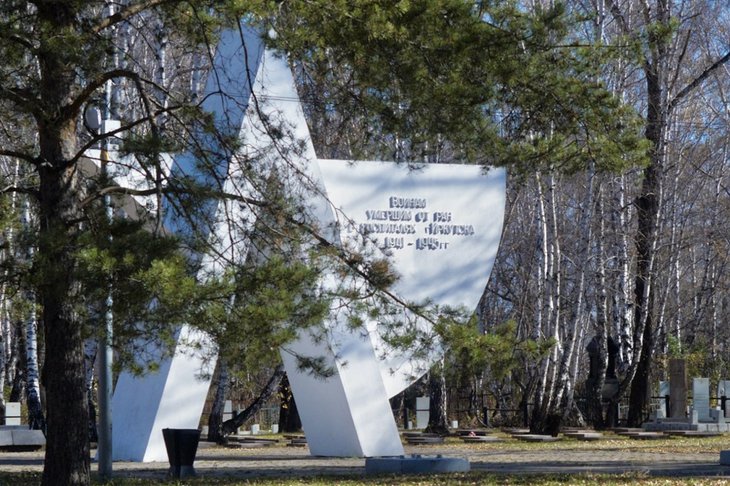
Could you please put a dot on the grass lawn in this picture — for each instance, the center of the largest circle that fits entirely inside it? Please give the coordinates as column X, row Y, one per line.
column 473, row 478
column 613, row 445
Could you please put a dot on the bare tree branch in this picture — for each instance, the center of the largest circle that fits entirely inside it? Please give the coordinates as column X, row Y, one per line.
column 695, row 83
column 128, row 191
column 19, row 155
column 127, row 13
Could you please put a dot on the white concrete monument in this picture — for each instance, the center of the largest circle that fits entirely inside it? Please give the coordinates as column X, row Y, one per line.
column 439, row 225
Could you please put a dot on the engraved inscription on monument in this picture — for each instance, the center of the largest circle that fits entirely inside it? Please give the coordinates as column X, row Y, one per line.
column 410, row 222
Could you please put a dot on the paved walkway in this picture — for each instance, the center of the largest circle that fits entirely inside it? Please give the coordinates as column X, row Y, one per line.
column 283, row 461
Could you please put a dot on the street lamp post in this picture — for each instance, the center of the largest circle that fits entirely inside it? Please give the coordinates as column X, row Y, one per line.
column 106, row 352
column 95, row 123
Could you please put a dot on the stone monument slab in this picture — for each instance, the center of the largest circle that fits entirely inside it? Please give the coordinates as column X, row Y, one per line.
column 422, row 412
column 701, row 398
column 677, row 388
column 723, row 390
column 663, row 393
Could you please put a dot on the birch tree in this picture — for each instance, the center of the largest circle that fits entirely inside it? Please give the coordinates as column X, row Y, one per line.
column 663, row 32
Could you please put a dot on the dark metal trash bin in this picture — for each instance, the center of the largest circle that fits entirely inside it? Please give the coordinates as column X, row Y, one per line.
column 181, row 445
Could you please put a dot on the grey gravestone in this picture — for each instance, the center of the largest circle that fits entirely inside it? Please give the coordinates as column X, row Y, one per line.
column 12, row 413
column 227, row 410
column 677, row 388
column 422, row 412
column 701, row 398
column 723, row 390
column 663, row 392
column 694, row 418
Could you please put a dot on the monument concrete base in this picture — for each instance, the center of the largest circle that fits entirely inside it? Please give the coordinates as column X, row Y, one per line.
column 415, row 464
column 669, row 424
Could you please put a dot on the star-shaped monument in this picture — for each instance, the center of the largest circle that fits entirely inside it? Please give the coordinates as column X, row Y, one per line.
column 439, row 225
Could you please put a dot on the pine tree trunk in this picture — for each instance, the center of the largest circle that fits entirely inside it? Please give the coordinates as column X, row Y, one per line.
column 648, row 207
column 67, row 443
column 215, row 419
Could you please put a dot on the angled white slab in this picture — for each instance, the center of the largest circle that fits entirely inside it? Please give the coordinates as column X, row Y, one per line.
column 173, row 397
column 349, row 413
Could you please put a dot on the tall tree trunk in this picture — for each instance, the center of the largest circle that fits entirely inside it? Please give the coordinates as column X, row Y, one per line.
column 2, row 364
column 5, row 326
column 67, row 444
column 647, row 215
column 622, row 302
column 17, row 389
column 564, row 398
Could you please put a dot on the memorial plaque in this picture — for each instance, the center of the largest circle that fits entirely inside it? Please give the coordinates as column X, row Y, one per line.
column 677, row 388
